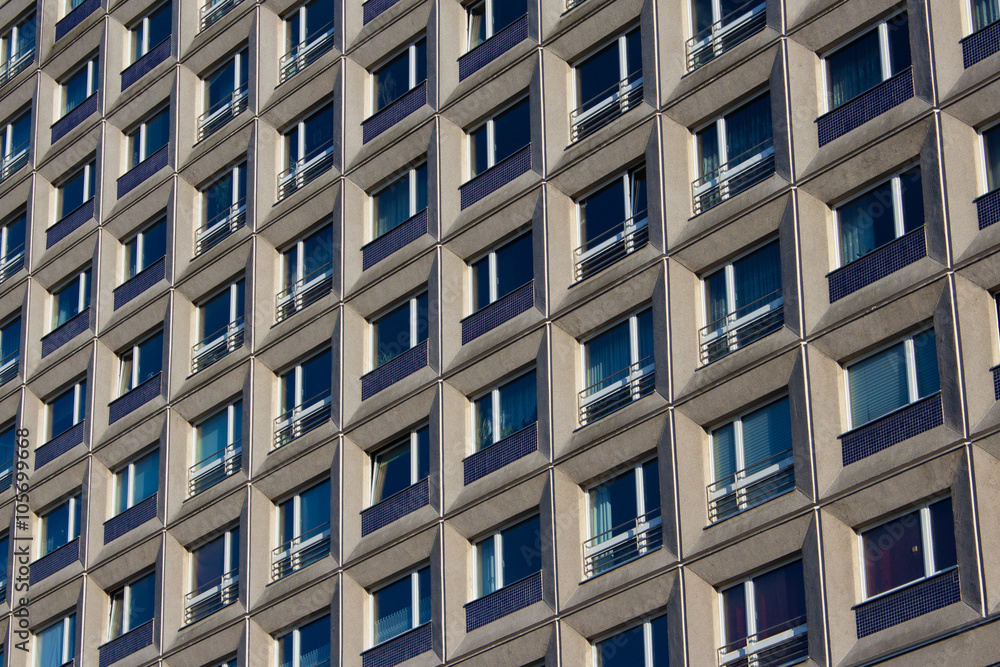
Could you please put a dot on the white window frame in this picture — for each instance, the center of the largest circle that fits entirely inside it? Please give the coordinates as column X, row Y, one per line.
column 233, row 291
column 743, row 482
column 132, row 352
column 296, row 254
column 138, row 133
column 78, row 405
column 487, row 6
column 491, row 256
column 225, row 109
column 72, row 523
column 641, row 511
column 127, row 604
column 883, row 46
column 299, row 409
column 11, row 38
column 414, row 441
column 414, row 577
column 983, row 164
column 296, row 643
column 233, row 174
column 299, row 130
column 647, row 640
column 68, row 638
column 411, row 303
column 93, row 78
column 727, row 172
column 142, row 26
column 5, row 236
column 494, row 394
column 633, row 333
column 490, row 126
column 497, row 537
column 139, row 243
column 230, row 564
column 302, row 14
column 899, row 223
column 411, row 174
column 8, row 140
column 631, row 225
column 230, row 429
column 297, row 544
column 623, row 65
column 411, row 51
column 87, row 171
column 126, row 475
column 81, row 281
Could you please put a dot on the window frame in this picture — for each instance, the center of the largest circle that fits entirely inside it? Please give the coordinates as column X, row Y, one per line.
column 83, row 280
column 969, row 16
column 92, row 73
column 79, row 390
column 413, row 196
column 297, row 249
column 627, row 180
column 126, row 475
column 133, row 352
column 984, row 154
column 496, row 536
column 138, row 242
column 230, row 558
column 142, row 26
column 12, row 37
column 5, row 233
column 414, row 576
column 73, row 521
column 750, row 604
column 233, row 289
column 231, row 423
column 899, row 222
column 139, row 131
column 719, row 125
column 410, row 302
column 632, row 317
column 826, row 99
column 494, row 394
column 237, row 178
column 88, row 171
column 413, row 440
column 491, row 257
column 236, row 61
column 640, row 487
column 298, row 129
column 623, row 66
column 490, row 126
column 7, row 130
column 296, row 371
column 68, row 652
column 301, row 13
column 647, row 640
column 730, row 276
column 411, row 50
column 126, row 591
column 296, row 638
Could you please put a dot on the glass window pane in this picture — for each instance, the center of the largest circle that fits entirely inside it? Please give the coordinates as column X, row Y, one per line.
column 893, row 554
column 757, row 278
column 779, row 600
column 319, row 15
column 315, row 507
column 392, row 206
column 61, row 413
column 142, row 601
column 116, row 622
column 50, row 650
column 392, row 472
column 392, row 80
column 506, row 12
column 481, row 282
column 392, row 335
column 708, row 150
column 157, row 132
column 314, row 643
column 515, row 265
column 477, row 24
column 602, row 213
column 854, row 69
column 661, row 649
column 512, row 131
column 767, row 434
column 159, row 25
column 626, row 649
column 943, row 535
column 522, row 551
column 150, row 358
column 899, row 43
column 72, row 194
column 147, row 474
column 212, row 436
column 393, row 609
column 421, row 64
column 423, row 320
column 607, row 356
column 484, row 422
column 423, row 453
column 7, row 441
column 316, row 377
column 724, row 452
column 913, row 200
column 651, row 485
column 866, row 223
column 878, row 385
column 421, row 176
column 318, row 251
column 154, row 244
column 319, row 130
column 748, row 128
column 633, row 54
column 424, row 595
column 984, row 12
column 991, row 139
column 55, row 528
column 479, row 157
column 613, row 507
column 76, row 90
column 209, row 562
column 486, row 566
column 221, row 85
column 925, row 355
column 598, row 77
column 734, row 611
column 518, row 406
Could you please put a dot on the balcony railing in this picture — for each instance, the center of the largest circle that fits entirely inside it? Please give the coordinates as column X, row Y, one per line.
column 220, row 227
column 304, row 417
column 742, row 326
column 391, row 626
column 11, row 163
column 732, row 29
column 306, row 53
column 8, row 367
column 300, row 552
column 217, row 345
column 213, row 11
column 738, row 174
column 306, row 170
column 222, row 112
column 212, row 597
column 752, row 486
column 623, row 543
column 605, row 249
column 784, row 644
column 17, row 62
column 213, row 469
column 12, row 262
column 605, row 107
column 617, row 390
column 304, row 292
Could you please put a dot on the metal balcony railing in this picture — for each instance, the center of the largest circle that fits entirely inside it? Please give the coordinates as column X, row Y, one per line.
column 738, row 174
column 737, row 26
column 306, row 170
column 12, row 262
column 300, row 294
column 217, row 345
column 300, row 552
column 222, row 112
column 742, row 326
column 395, row 624
column 220, row 227
column 17, row 159
column 17, row 62
column 623, row 543
column 212, row 597
column 617, row 390
column 606, row 106
column 783, row 644
column 213, row 469
column 8, row 367
column 213, row 11
column 752, row 486
column 304, row 417
column 605, row 249
column 306, row 53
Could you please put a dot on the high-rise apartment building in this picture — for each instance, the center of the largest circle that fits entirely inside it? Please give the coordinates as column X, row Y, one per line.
column 595, row 333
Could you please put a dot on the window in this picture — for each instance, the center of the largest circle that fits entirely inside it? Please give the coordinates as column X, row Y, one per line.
column 143, row 361
column 880, row 216
column 80, row 85
column 867, row 61
column 14, row 139
column 644, row 645
column 984, row 13
column 4, row 552
column 505, row 410
column 145, row 248
column 402, row 605
column 400, row 75
column 501, row 272
column 618, row 366
column 56, row 644
column 488, row 17
column 909, row 548
column 149, row 136
column 613, row 222
column 893, row 378
column 306, row 646
column 138, row 480
column 399, row 330
column 305, row 398
column 67, row 409
column 217, row 446
column 214, row 575
column 12, row 246
column 224, row 202
column 401, row 466
column 608, row 83
column 400, row 201
column 8, row 440
column 310, row 138
column 720, row 25
column 221, row 326
column 751, row 460
column 10, row 349
column 17, row 47
column 624, row 519
column 71, row 299
column 309, row 25
column 991, row 154
column 304, row 530
column 500, row 137
column 60, row 526
column 225, row 93
column 766, row 616
column 150, row 31
column 132, row 605
column 743, row 302
column 508, row 556
column 77, row 190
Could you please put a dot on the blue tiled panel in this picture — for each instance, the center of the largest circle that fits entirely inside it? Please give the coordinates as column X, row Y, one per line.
column 76, row 17
column 373, row 8
column 59, row 445
column 139, row 396
column 981, row 44
column 395, row 239
column 930, row 595
column 496, row 177
column 498, row 312
column 493, row 47
column 72, row 221
column 875, row 102
column 131, row 518
column 126, row 645
column 891, row 429
column 139, row 283
column 393, row 371
column 988, row 208
column 399, row 649
column 506, row 451
column 394, row 507
column 505, row 601
column 145, row 65
column 395, row 112
column 996, row 383
column 878, row 264
column 66, row 332
column 142, row 171
column 49, row 564
column 79, row 114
